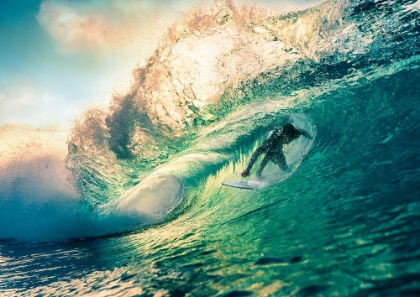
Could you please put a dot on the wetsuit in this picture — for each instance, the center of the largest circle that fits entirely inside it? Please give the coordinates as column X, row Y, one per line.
column 273, row 148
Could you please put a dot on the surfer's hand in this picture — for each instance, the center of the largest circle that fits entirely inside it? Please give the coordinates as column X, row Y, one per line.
column 245, row 173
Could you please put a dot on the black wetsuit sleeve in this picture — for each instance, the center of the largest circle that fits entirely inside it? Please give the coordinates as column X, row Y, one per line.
column 304, row 133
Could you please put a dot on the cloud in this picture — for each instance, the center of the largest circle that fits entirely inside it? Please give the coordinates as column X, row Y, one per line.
column 16, row 109
column 35, row 109
column 15, row 103
column 73, row 30
column 108, row 26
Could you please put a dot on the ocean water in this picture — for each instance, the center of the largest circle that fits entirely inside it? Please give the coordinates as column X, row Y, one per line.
column 138, row 208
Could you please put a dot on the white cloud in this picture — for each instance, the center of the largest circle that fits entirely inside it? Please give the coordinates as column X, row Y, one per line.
column 111, row 26
column 36, row 109
column 73, row 30
column 15, row 103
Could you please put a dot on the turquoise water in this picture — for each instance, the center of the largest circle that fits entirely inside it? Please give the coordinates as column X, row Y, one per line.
column 345, row 223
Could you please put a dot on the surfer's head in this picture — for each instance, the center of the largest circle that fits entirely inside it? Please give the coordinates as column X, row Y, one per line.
column 290, row 132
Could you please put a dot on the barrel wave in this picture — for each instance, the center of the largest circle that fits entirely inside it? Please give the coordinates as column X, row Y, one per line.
column 141, row 210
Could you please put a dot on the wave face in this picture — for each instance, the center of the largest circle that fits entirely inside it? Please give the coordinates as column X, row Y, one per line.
column 345, row 223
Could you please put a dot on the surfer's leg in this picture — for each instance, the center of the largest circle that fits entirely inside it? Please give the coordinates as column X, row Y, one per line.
column 263, row 164
column 254, row 158
column 280, row 160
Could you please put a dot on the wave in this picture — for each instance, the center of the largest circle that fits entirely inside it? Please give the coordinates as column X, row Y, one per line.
column 218, row 81
column 216, row 61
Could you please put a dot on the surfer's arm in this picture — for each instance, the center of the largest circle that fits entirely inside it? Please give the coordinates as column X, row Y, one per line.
column 304, row 133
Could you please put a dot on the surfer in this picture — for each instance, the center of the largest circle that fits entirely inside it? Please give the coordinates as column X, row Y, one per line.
column 273, row 148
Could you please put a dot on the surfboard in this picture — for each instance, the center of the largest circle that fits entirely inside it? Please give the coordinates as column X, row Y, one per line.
column 247, row 185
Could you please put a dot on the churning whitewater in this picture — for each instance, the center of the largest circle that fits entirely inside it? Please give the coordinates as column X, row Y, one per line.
column 131, row 202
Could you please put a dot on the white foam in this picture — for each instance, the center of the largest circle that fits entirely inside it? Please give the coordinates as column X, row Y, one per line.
column 153, row 198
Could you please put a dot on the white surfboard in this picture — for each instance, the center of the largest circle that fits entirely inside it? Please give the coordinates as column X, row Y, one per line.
column 247, row 185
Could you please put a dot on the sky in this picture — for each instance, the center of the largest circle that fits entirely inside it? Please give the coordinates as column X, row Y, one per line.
column 59, row 57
